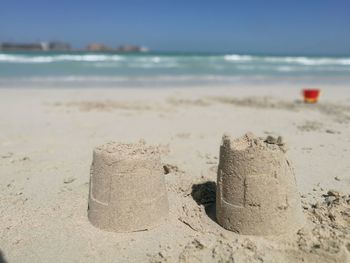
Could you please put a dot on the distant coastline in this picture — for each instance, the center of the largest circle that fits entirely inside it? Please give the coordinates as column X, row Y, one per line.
column 63, row 46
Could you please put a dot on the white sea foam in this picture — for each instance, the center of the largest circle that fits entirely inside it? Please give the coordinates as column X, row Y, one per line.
column 24, row 59
column 156, row 60
column 137, row 66
column 167, row 60
column 235, row 57
column 309, row 61
column 58, row 58
column 286, row 69
column 152, row 65
column 140, row 62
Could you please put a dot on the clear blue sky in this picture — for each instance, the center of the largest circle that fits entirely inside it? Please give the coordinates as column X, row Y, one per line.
column 261, row 26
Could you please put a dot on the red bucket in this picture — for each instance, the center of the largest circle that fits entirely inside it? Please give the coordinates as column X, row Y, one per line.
column 311, row 95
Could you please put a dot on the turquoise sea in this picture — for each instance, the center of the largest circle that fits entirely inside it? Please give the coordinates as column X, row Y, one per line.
column 83, row 69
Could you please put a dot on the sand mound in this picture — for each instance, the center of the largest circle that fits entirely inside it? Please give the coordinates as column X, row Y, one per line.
column 257, row 191
column 127, row 187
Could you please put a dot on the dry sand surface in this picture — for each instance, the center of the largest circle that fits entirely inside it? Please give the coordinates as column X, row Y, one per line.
column 46, row 141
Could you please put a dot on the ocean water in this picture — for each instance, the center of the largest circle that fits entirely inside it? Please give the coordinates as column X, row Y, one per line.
column 113, row 69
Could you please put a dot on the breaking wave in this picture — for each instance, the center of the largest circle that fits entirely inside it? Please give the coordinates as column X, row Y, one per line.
column 159, row 59
column 309, row 61
column 57, row 58
column 154, row 65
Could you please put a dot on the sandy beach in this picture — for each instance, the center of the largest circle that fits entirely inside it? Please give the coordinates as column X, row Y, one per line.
column 48, row 135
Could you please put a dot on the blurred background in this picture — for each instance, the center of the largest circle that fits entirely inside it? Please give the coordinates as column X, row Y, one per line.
column 167, row 43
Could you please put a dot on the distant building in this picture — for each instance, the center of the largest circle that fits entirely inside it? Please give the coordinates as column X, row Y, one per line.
column 42, row 46
column 132, row 48
column 21, row 46
column 95, row 47
column 59, row 46
column 45, row 46
column 62, row 46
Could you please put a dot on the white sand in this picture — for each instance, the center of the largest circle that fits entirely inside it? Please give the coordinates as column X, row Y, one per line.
column 46, row 143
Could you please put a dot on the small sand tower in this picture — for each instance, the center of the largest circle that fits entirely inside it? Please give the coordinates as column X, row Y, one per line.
column 256, row 187
column 127, row 188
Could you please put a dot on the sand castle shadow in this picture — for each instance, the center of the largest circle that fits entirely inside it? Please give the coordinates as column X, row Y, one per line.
column 205, row 194
column 2, row 259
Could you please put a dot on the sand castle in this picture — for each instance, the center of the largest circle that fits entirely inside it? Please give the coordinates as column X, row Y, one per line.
column 127, row 188
column 256, row 187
